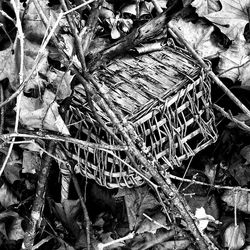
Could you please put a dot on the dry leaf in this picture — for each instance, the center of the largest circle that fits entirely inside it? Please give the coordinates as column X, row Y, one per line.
column 13, row 167
column 231, row 19
column 31, row 162
column 146, row 225
column 232, row 58
column 34, row 28
column 206, row 7
column 42, row 114
column 8, row 68
column 7, row 198
column 67, row 212
column 9, row 65
column 15, row 229
column 245, row 153
column 240, row 171
column 245, row 73
column 234, row 236
column 106, row 238
column 202, row 218
column 198, row 35
column 137, row 200
column 61, row 83
column 10, row 225
column 242, row 202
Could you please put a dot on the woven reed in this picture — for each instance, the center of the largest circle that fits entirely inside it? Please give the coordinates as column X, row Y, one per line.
column 164, row 95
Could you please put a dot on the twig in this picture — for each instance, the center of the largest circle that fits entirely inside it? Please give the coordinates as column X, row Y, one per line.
column 156, row 222
column 157, row 6
column 80, row 143
column 79, row 6
column 101, row 246
column 7, row 16
column 235, row 67
column 21, row 43
column 91, row 26
column 38, row 204
column 47, row 239
column 70, row 19
column 238, row 123
column 209, row 71
column 7, row 34
column 84, row 208
column 207, row 184
column 1, row 109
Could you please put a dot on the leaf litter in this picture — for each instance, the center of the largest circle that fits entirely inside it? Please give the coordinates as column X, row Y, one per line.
column 217, row 30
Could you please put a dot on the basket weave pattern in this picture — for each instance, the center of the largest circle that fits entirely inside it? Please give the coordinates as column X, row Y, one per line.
column 165, row 96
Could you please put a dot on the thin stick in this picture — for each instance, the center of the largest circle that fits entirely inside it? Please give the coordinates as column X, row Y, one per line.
column 1, row 109
column 84, row 208
column 80, row 143
column 101, row 246
column 207, row 184
column 91, row 26
column 38, row 204
column 70, row 19
column 238, row 123
column 19, row 97
column 79, row 6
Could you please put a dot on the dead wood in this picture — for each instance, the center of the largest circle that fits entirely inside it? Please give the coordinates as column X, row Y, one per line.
column 141, row 34
column 38, row 205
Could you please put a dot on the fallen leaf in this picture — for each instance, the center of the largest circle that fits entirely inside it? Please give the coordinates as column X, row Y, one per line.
column 198, row 35
column 137, row 201
column 8, row 68
column 232, row 58
column 245, row 153
column 7, row 198
column 174, row 244
column 31, row 162
column 67, row 211
column 240, row 171
column 206, row 7
column 34, row 146
column 13, row 167
column 65, row 246
column 10, row 225
column 202, row 218
column 10, row 61
column 106, row 238
column 61, row 82
column 234, row 236
column 42, row 114
column 15, row 230
column 231, row 19
column 34, row 27
column 242, row 202
column 146, row 225
column 244, row 73
column 241, row 117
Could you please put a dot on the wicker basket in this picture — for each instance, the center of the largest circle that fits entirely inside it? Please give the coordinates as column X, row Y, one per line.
column 165, row 95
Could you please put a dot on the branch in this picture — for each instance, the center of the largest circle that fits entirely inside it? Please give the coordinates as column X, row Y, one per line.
column 238, row 123
column 91, row 26
column 60, row 138
column 141, row 34
column 37, row 208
